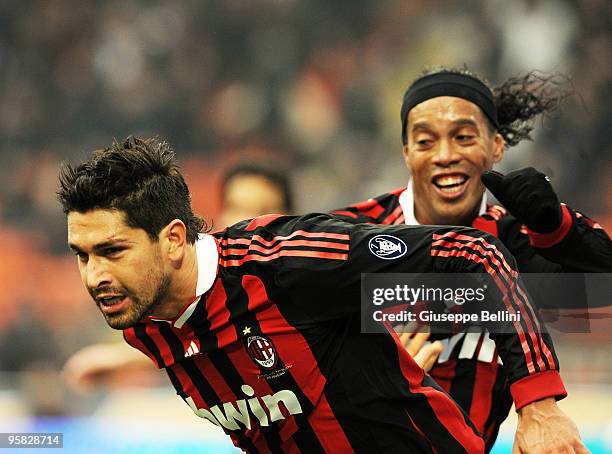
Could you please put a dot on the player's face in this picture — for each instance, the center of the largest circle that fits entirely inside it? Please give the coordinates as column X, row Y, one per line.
column 449, row 145
column 120, row 266
column 249, row 196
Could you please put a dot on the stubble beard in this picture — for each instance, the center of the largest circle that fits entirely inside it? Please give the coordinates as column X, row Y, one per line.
column 139, row 308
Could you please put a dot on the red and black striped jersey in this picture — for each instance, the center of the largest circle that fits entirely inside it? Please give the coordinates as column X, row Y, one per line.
column 469, row 368
column 579, row 245
column 272, row 352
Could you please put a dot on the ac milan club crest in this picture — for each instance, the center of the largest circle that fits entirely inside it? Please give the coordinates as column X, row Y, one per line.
column 262, row 351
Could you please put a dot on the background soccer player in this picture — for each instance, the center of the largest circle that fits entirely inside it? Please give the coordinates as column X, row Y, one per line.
column 454, row 128
column 263, row 313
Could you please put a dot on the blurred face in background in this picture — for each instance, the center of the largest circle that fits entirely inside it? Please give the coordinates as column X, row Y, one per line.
column 121, row 267
column 450, row 143
column 248, row 196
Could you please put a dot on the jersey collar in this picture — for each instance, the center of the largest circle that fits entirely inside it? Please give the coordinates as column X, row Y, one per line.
column 207, row 257
column 406, row 201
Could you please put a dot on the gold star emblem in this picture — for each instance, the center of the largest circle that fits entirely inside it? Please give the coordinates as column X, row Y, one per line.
column 246, row 330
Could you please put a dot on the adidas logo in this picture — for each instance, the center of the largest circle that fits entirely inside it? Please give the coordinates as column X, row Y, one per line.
column 192, row 350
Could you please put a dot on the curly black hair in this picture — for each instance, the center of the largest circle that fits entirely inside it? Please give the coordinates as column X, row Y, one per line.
column 520, row 99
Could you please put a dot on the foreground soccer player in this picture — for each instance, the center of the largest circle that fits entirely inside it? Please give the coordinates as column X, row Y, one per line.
column 454, row 128
column 257, row 326
column 247, row 191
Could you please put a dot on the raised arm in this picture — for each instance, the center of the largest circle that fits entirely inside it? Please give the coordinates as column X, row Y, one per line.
column 556, row 231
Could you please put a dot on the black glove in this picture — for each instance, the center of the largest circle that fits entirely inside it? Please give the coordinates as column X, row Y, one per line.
column 528, row 195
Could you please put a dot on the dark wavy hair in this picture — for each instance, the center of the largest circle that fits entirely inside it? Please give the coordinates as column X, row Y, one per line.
column 139, row 177
column 520, row 99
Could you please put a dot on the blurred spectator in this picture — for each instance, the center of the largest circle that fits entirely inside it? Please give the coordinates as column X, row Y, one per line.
column 250, row 190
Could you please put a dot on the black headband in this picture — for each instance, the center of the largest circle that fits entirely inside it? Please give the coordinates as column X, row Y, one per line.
column 448, row 84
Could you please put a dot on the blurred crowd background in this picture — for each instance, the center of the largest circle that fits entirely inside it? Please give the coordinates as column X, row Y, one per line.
column 312, row 87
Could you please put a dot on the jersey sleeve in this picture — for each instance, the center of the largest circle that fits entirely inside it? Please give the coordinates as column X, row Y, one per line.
column 315, row 263
column 384, row 209
column 580, row 244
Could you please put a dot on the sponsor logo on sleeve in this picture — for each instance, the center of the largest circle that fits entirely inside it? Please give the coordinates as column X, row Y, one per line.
column 387, row 247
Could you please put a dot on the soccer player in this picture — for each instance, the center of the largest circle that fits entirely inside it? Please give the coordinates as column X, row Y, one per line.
column 454, row 129
column 257, row 326
column 248, row 190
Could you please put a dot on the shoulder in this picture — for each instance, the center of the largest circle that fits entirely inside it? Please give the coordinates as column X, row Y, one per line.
column 268, row 238
column 382, row 209
column 380, row 203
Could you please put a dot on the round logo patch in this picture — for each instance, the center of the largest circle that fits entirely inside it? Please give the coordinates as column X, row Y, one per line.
column 387, row 247
column 262, row 351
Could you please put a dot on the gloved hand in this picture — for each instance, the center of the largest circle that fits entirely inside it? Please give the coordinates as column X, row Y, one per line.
column 528, row 196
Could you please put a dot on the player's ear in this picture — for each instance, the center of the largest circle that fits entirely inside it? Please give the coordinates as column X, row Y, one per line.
column 405, row 153
column 174, row 239
column 499, row 147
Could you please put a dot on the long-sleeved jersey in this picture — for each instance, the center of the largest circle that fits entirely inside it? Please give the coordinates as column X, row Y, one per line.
column 468, row 369
column 270, row 350
column 579, row 245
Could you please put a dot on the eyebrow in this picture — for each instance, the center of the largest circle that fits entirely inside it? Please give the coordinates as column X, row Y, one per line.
column 112, row 242
column 467, row 122
column 420, row 125
column 456, row 123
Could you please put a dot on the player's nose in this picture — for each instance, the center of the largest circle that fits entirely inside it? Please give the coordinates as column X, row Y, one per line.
column 97, row 274
column 446, row 155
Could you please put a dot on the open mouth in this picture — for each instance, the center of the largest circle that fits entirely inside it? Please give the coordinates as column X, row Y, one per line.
column 110, row 300
column 450, row 184
column 112, row 303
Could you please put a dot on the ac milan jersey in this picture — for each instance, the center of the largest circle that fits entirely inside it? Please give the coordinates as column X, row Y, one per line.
column 580, row 245
column 271, row 350
column 469, row 368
